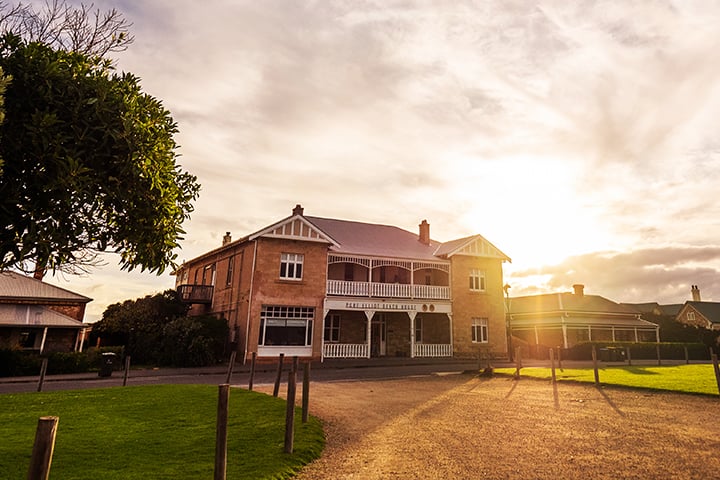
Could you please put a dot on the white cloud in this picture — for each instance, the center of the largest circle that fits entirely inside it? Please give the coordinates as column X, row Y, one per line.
column 553, row 128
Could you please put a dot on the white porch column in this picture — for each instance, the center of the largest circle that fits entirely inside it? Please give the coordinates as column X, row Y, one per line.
column 44, row 337
column 322, row 337
column 636, row 335
column 564, row 330
column 369, row 314
column 657, row 335
column 589, row 333
column 612, row 328
column 452, row 347
column 412, row 316
column 537, row 338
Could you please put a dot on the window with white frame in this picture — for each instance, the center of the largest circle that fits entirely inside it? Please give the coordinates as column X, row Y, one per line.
column 332, row 328
column 418, row 330
column 479, row 330
column 477, row 280
column 286, row 325
column 291, row 266
column 691, row 316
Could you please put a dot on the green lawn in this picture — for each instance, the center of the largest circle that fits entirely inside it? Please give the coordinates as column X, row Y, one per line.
column 680, row 378
column 154, row 432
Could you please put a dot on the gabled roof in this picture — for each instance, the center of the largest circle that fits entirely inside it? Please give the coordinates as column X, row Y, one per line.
column 709, row 310
column 371, row 239
column 475, row 245
column 17, row 287
column 295, row 227
column 35, row 316
column 567, row 302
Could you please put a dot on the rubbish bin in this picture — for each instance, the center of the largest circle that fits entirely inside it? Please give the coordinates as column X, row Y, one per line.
column 106, row 364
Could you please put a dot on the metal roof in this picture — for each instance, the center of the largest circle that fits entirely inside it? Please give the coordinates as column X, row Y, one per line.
column 35, row 316
column 14, row 286
column 377, row 240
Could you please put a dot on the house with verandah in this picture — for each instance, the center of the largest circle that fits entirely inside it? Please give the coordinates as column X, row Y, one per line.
column 567, row 318
column 321, row 288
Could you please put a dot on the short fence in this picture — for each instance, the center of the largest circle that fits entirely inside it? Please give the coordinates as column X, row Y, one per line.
column 433, row 350
column 346, row 350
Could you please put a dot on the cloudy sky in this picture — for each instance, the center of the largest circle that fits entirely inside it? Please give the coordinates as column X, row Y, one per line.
column 579, row 137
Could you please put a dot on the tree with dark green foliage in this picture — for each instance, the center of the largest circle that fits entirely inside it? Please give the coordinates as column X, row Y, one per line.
column 194, row 341
column 90, row 165
column 156, row 330
column 139, row 324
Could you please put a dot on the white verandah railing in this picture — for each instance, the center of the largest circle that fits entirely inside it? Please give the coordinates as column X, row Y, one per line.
column 346, row 350
column 387, row 290
column 433, row 350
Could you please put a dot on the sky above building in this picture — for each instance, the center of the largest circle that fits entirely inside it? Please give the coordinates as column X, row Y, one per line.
column 578, row 137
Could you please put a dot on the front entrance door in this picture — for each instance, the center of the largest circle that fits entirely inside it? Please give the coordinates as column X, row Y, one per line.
column 378, row 333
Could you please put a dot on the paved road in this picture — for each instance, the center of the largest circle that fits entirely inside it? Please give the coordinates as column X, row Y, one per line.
column 218, row 375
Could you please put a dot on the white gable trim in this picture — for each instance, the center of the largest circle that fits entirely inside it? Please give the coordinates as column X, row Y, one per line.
column 478, row 246
column 295, row 228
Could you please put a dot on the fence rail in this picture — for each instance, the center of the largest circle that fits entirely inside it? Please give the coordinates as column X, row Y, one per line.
column 387, row 290
column 433, row 350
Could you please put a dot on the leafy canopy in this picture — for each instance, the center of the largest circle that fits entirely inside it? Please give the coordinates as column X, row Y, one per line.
column 90, row 164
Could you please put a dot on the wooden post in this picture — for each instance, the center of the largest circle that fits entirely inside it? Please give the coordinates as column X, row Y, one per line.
column 518, row 362
column 559, row 352
column 127, row 370
column 231, row 365
column 306, row 392
column 221, row 432
column 687, row 355
column 714, row 359
column 43, row 370
column 43, row 448
column 252, row 370
column 629, row 357
column 290, row 409
column 276, row 390
column 657, row 350
column 552, row 365
column 595, row 366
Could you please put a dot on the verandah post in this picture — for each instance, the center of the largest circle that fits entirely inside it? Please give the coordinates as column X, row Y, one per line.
column 552, row 364
column 231, row 366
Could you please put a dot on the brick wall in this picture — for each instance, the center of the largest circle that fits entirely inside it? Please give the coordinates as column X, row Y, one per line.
column 468, row 304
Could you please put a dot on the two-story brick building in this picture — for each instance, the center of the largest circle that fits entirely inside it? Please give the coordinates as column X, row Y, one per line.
column 327, row 288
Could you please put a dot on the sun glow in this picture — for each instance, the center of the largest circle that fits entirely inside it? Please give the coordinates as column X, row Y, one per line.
column 529, row 207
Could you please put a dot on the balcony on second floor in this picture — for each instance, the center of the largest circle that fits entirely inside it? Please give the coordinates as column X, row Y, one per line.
column 196, row 293
column 355, row 276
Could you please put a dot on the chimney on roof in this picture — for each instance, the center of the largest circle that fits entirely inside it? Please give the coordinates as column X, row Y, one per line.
column 424, row 232
column 227, row 238
column 298, row 210
column 695, row 293
column 579, row 289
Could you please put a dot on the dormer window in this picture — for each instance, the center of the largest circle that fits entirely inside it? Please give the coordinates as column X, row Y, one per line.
column 291, row 266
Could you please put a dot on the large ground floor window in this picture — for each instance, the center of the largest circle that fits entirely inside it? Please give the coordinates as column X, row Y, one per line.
column 286, row 325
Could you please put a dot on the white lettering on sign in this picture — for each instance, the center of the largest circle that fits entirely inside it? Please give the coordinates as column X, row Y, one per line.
column 380, row 306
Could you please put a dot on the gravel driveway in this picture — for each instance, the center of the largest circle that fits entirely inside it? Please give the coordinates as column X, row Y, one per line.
column 463, row 426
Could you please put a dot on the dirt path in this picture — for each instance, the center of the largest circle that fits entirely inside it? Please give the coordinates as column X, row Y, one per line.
column 462, row 426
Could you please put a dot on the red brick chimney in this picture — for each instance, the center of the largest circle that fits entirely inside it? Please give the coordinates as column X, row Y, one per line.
column 579, row 289
column 298, row 210
column 424, row 232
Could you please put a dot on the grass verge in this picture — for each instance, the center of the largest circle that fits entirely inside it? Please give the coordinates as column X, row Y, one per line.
column 697, row 379
column 157, row 432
